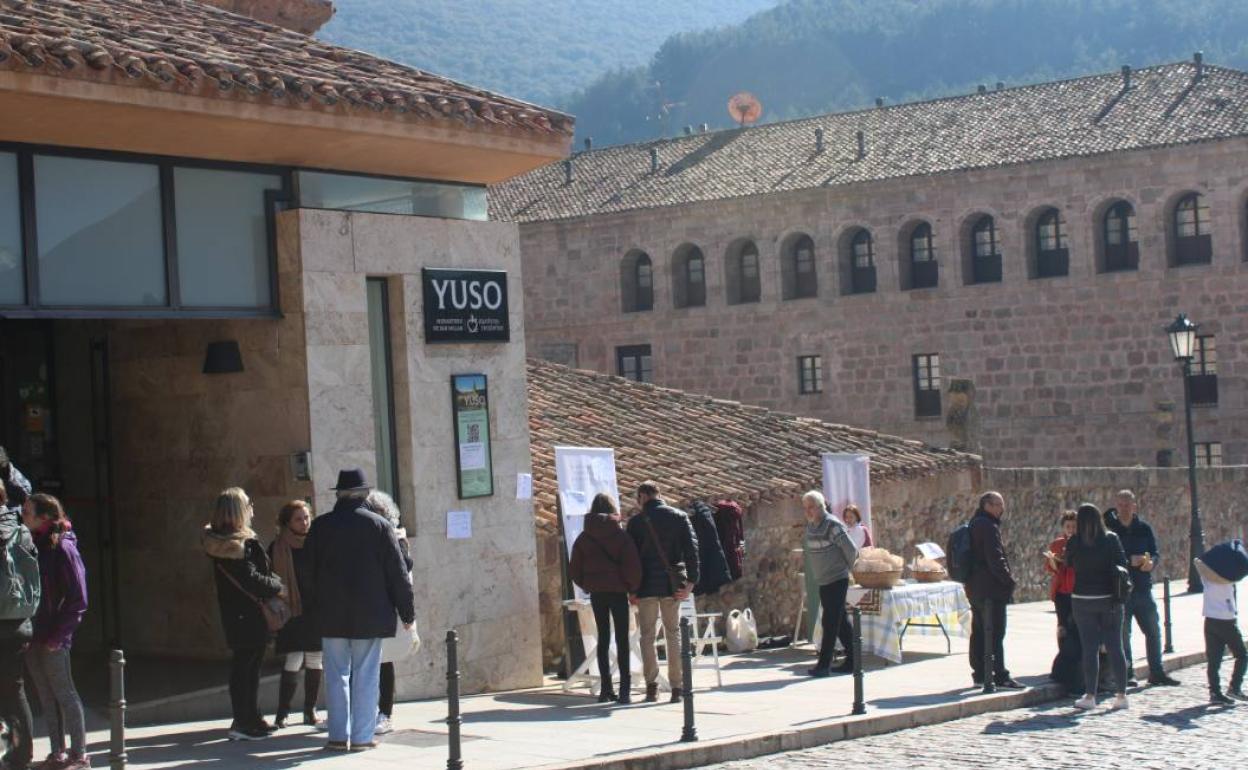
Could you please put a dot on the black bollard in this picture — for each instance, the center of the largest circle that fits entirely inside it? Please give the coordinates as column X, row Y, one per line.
column 860, row 705
column 990, row 668
column 688, row 733
column 117, row 709
column 455, row 761
column 1165, row 603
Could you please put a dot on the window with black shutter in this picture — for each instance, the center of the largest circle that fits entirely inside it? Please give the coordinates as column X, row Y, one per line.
column 862, row 264
column 985, row 251
column 1052, row 251
column 633, row 362
column 810, row 374
column 924, row 272
column 927, row 385
column 805, row 283
column 1193, row 240
column 1122, row 248
column 1204, row 379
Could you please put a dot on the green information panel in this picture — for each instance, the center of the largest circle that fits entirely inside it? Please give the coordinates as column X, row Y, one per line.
column 471, row 408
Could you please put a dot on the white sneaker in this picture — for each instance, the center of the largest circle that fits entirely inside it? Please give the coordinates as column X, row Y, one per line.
column 1120, row 703
column 383, row 725
column 1086, row 703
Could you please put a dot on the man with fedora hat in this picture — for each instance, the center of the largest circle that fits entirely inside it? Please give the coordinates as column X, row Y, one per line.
column 359, row 582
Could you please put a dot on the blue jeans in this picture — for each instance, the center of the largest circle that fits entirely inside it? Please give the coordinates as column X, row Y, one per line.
column 1143, row 608
column 352, row 683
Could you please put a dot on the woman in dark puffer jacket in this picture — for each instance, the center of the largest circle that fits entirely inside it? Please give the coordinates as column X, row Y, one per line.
column 606, row 564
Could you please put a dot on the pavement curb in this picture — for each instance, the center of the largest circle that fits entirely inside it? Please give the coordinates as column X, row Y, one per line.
column 681, row 755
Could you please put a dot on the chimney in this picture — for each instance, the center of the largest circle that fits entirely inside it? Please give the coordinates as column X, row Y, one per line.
column 567, row 171
column 654, row 159
column 862, row 145
column 305, row 16
column 704, row 128
column 1000, row 85
column 1199, row 59
column 983, row 89
column 589, row 143
column 879, row 101
column 1126, row 77
column 688, row 130
column 818, row 140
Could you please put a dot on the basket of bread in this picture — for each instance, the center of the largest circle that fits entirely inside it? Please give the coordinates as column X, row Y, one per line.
column 877, row 568
column 928, row 570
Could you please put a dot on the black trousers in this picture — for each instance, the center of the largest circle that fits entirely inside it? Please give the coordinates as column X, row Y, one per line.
column 14, row 708
column 1067, row 667
column 835, row 625
column 978, row 610
column 385, row 700
column 1220, row 635
column 612, row 607
column 245, row 685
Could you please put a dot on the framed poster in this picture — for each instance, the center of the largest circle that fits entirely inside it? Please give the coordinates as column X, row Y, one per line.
column 470, row 410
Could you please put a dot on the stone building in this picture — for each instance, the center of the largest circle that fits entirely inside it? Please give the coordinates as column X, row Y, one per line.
column 991, row 271
column 212, row 237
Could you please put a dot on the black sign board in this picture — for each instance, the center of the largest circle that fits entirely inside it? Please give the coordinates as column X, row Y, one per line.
column 465, row 305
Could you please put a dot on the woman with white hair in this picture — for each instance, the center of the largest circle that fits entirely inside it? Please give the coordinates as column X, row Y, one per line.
column 384, row 506
column 830, row 554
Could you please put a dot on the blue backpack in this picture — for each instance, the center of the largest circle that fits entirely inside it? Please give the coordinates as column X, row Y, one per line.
column 20, row 586
column 958, row 554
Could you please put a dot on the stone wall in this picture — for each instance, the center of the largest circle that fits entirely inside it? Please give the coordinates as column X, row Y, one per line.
column 1066, row 371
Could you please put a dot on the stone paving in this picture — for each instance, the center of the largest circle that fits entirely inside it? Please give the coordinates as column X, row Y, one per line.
column 1165, row 727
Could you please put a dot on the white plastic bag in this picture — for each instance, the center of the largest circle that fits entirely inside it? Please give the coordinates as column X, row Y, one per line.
column 402, row 645
column 742, row 634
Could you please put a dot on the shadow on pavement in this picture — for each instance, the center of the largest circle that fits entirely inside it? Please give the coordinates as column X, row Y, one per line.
column 1052, row 718
column 210, row 749
column 1185, row 719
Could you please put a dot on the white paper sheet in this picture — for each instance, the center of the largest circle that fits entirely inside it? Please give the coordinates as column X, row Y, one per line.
column 458, row 525
column 930, row 550
column 524, row 486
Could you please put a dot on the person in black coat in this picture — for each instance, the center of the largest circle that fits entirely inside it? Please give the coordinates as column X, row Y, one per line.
column 713, row 573
column 15, row 636
column 990, row 590
column 244, row 580
column 299, row 641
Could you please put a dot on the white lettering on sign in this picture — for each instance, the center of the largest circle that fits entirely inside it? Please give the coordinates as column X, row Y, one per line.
column 467, row 295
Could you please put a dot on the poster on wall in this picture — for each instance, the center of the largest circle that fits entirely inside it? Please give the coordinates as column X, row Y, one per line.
column 465, row 305
column 581, row 473
column 470, row 410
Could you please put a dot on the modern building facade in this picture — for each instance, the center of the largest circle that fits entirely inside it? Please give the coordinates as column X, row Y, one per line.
column 993, row 271
column 213, row 233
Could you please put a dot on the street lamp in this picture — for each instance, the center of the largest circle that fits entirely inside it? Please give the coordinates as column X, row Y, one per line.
column 1183, row 343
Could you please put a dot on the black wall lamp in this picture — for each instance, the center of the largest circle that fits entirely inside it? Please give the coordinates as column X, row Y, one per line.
column 223, row 357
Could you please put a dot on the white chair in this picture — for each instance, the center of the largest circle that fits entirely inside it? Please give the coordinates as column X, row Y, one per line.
column 703, row 633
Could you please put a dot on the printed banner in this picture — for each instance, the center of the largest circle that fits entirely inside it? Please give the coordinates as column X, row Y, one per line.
column 471, row 409
column 581, row 473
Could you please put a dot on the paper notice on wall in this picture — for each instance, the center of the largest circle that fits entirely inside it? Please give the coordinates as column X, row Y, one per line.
column 458, row 525
column 930, row 551
column 581, row 473
column 524, row 486
column 471, row 456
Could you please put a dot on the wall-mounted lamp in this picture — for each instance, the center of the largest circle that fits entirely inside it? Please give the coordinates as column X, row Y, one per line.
column 223, row 358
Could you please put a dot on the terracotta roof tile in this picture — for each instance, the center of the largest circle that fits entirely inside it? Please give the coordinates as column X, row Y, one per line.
column 1165, row 105
column 699, row 447
column 189, row 47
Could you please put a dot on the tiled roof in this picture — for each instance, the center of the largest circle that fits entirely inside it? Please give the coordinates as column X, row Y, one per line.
column 188, row 47
column 696, row 446
column 1165, row 105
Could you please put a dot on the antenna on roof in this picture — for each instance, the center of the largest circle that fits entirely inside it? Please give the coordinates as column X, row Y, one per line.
column 1199, row 59
column 567, row 171
column 1126, row 77
column 745, row 108
column 654, row 159
column 818, row 140
column 862, row 145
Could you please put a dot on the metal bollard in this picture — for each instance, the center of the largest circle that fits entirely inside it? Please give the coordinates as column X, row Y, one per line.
column 455, row 761
column 860, row 705
column 117, row 709
column 990, row 668
column 1165, row 603
column 688, row 733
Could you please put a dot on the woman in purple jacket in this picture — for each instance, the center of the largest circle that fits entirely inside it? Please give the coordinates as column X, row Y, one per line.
column 61, row 607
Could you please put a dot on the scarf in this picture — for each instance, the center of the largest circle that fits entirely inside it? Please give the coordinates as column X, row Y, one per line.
column 284, row 548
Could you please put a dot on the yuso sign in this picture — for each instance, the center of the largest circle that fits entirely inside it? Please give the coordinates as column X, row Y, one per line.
column 465, row 305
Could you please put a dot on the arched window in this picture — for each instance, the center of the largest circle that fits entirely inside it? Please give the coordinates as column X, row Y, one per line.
column 1193, row 244
column 985, row 251
column 742, row 280
column 862, row 263
column 637, row 282
column 689, row 277
column 1118, row 239
column 799, row 277
column 1052, row 255
column 923, row 268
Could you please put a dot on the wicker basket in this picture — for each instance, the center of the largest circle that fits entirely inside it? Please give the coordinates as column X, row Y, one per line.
column 877, row 579
column 930, row 577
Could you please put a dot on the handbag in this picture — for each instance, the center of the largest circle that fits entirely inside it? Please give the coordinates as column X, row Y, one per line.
column 678, row 575
column 404, row 643
column 1122, row 584
column 275, row 610
column 742, row 632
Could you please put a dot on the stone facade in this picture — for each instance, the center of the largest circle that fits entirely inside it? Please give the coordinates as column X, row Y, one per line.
column 1065, row 371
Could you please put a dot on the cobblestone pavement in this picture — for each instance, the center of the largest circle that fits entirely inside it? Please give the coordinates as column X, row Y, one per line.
column 1166, row 727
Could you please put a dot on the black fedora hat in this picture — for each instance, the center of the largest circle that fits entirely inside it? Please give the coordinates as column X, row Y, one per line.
column 351, row 478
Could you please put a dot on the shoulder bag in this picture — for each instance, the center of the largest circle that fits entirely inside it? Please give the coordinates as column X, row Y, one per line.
column 678, row 575
column 1121, row 584
column 276, row 611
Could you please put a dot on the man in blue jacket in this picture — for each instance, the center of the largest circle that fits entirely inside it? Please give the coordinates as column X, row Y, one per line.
column 1140, row 546
column 359, row 582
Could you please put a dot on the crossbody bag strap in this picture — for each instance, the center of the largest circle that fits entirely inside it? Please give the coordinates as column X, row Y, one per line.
column 239, row 586
column 654, row 539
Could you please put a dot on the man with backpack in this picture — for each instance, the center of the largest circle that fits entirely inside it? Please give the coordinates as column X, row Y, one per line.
column 990, row 588
column 16, row 486
column 20, row 590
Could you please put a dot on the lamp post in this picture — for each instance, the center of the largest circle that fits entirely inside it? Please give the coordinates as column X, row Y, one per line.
column 1183, row 344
